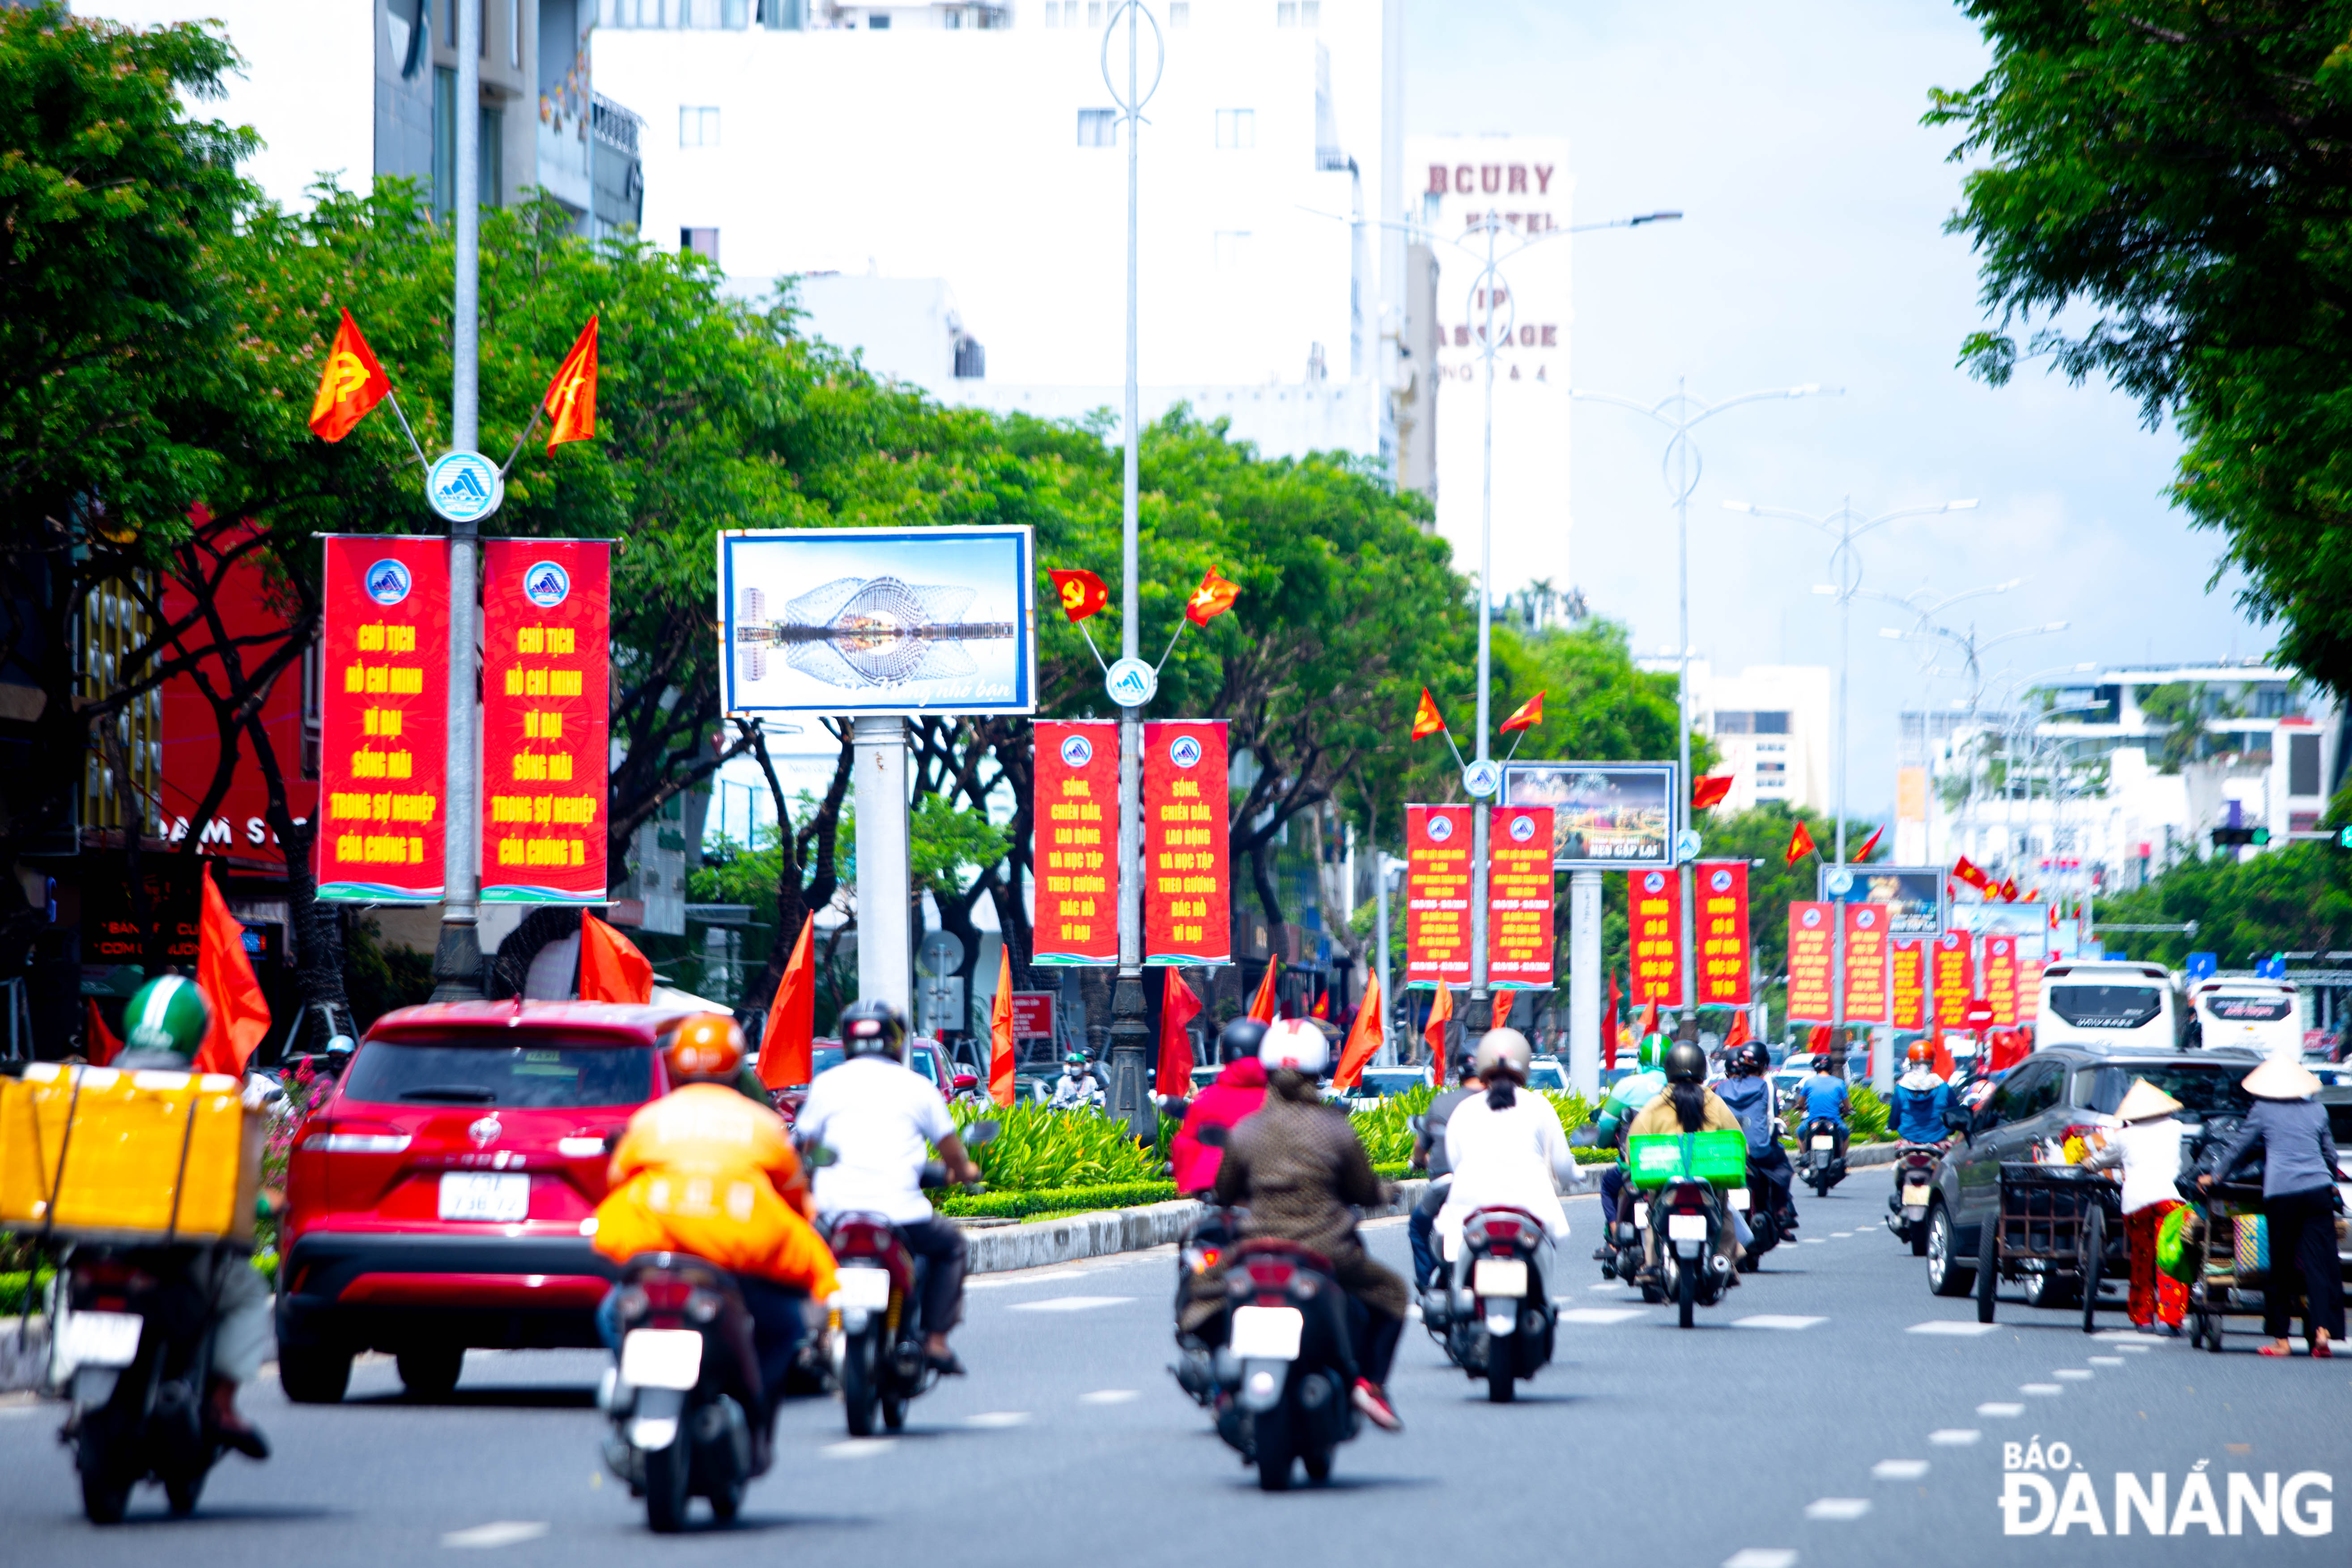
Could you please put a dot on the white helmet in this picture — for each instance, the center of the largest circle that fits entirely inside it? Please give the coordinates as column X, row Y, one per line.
column 1502, row 1047
column 1295, row 1044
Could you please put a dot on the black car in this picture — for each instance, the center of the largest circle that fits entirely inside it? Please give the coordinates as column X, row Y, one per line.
column 2051, row 1091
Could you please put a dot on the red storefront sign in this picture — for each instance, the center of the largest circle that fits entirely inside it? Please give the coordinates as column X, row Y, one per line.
column 546, row 719
column 2001, row 979
column 1722, row 932
column 1075, row 807
column 1810, row 934
column 1653, row 919
column 383, row 724
column 1954, row 981
column 1032, row 1014
column 1187, row 910
column 1909, row 968
column 1518, row 899
column 1865, row 963
column 1438, row 895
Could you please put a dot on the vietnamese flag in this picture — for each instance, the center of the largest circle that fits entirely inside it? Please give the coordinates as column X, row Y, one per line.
column 1000, row 1033
column 1649, row 1024
column 1612, row 1028
column 224, row 974
column 2007, row 889
column 1322, row 1008
column 787, row 1046
column 571, row 401
column 1710, row 790
column 1082, row 593
column 1363, row 1039
column 1801, row 844
column 1869, row 844
column 1441, row 1013
column 610, row 967
column 1264, row 1004
column 1177, row 1008
column 1212, row 598
column 1425, row 719
column 1527, row 715
column 349, row 384
column 100, row 1045
column 1967, row 872
column 1737, row 1034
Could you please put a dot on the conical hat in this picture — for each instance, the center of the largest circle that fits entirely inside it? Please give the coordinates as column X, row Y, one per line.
column 2281, row 1079
column 2145, row 1102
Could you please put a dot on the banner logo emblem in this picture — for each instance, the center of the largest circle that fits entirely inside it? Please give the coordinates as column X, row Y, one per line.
column 546, row 584
column 1185, row 752
column 1441, row 829
column 387, row 582
column 1523, row 828
column 1077, row 751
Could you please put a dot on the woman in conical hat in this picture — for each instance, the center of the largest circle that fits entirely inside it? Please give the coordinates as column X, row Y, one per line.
column 2147, row 1148
column 2299, row 1175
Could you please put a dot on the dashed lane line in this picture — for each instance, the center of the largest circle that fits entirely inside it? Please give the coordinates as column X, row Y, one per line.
column 859, row 1447
column 1954, row 1436
column 989, row 1420
column 1776, row 1320
column 1898, row 1470
column 1069, row 1303
column 2073, row 1374
column 1107, row 1397
column 2107, row 1360
column 498, row 1533
column 2042, row 1390
column 1998, row 1408
column 1842, row 1508
column 1959, row 1328
column 1761, row 1557
column 1602, row 1314
column 1052, row 1275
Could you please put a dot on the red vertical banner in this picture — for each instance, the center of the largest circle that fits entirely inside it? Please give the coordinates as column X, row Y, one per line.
column 1653, row 919
column 1865, row 963
column 1722, row 930
column 1075, row 805
column 2029, row 989
column 1520, row 899
column 383, row 757
column 1909, row 988
column 1187, row 907
column 547, row 663
column 1438, row 895
column 1811, row 998
column 2001, row 979
column 1954, row 979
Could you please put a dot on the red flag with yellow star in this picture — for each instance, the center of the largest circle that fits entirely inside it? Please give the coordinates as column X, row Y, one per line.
column 1710, row 790
column 351, row 385
column 1527, row 715
column 571, row 401
column 1801, row 844
column 1426, row 720
column 1212, row 598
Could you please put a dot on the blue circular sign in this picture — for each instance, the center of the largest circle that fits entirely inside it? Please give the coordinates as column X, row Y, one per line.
column 1441, row 829
column 1077, row 751
column 387, row 582
column 464, row 487
column 1523, row 828
column 546, row 584
column 1185, row 752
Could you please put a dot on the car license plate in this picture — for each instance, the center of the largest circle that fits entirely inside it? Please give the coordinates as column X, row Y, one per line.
column 1687, row 1228
column 1499, row 1277
column 478, row 1196
column 101, row 1339
column 1267, row 1333
column 661, row 1358
column 867, row 1288
column 1737, row 1198
column 1826, row 1143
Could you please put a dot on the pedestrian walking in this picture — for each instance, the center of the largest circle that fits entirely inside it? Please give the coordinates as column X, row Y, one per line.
column 2146, row 1148
column 2299, row 1176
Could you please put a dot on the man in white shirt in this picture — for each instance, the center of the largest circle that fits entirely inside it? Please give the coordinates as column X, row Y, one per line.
column 880, row 1122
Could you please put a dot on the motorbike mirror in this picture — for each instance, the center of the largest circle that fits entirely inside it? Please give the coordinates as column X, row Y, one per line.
column 1585, row 1137
column 1418, row 1125
column 1214, row 1136
column 1956, row 1120
column 965, row 1080
column 981, row 1133
column 1174, row 1108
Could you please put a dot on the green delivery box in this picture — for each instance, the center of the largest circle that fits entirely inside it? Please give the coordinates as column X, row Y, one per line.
column 1717, row 1157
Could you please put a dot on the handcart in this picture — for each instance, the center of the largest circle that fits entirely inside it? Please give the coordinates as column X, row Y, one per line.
column 2057, row 1231
column 2230, row 1247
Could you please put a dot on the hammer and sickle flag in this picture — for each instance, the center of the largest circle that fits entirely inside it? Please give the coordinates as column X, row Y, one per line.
column 1081, row 593
column 571, row 401
column 351, row 385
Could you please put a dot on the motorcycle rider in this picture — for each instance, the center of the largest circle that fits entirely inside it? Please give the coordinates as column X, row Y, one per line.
column 709, row 1171
column 1238, row 1092
column 1627, row 1097
column 1825, row 1098
column 1688, row 1106
column 1077, row 1088
column 879, row 1119
column 1749, row 1094
column 165, row 1024
column 1921, row 1099
column 1297, row 1165
column 1506, row 1146
column 1429, row 1153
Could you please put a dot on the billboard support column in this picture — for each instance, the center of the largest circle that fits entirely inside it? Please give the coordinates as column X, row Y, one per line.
column 1584, row 982
column 1128, row 1090
column 885, row 890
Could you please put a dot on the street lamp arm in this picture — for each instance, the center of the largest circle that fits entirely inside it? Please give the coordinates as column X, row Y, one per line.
column 1791, row 393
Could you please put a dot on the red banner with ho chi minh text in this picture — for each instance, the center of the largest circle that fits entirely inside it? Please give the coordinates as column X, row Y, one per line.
column 1952, row 979
column 2001, row 979
column 1074, row 808
column 1520, row 899
column 546, row 719
column 384, row 736
column 1909, row 985
column 1865, row 963
column 1187, row 909
column 1653, row 919
column 1722, row 932
column 1810, row 935
column 1438, row 895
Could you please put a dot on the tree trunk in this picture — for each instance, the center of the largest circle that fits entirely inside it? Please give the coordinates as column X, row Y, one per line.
column 799, row 892
column 318, row 934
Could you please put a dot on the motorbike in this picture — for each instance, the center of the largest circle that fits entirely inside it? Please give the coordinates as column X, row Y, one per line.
column 1288, row 1340
column 1693, row 1271
column 1914, row 1183
column 1823, row 1166
column 1767, row 1220
column 1203, row 1366
column 138, row 1336
column 682, row 1399
column 1498, row 1325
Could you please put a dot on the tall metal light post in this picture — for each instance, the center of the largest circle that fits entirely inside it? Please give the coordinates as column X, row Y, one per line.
column 1680, row 413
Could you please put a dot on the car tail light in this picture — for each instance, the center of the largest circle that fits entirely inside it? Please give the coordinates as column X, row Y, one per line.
column 355, row 1138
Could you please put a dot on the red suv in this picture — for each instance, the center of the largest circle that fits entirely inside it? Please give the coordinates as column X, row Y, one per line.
column 443, row 1195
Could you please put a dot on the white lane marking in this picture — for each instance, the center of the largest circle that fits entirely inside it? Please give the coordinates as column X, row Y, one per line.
column 1954, row 1436
column 1776, row 1320
column 498, row 1533
column 1049, row 1277
column 1843, row 1509
column 1956, row 1327
column 1610, row 1285
column 988, row 1419
column 1839, row 1235
column 859, row 1447
column 2000, row 1409
column 2042, row 1390
column 1107, row 1397
column 2107, row 1360
column 1070, row 1303
column 1761, row 1557
column 1816, row 1241
column 2073, row 1374
column 1601, row 1314
column 1899, row 1470
column 2134, row 1350
column 2126, row 1337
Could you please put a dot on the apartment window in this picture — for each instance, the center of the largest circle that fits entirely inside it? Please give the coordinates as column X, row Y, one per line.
column 1097, row 128
column 514, row 33
column 879, row 21
column 1735, row 722
column 1310, row 13
column 697, row 126
column 2303, row 764
column 1285, row 14
column 1233, row 248
column 1774, row 770
column 702, row 242
column 1179, row 13
column 1772, row 723
column 1236, row 129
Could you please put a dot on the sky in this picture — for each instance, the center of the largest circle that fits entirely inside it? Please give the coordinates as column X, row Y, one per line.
column 1812, row 251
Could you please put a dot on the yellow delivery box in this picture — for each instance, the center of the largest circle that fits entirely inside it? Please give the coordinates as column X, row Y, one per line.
column 101, row 1154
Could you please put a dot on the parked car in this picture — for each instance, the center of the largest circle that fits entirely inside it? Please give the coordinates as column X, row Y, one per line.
column 442, row 1196
column 1549, row 1074
column 1379, row 1083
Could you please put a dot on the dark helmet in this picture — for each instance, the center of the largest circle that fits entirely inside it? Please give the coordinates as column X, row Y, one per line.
column 1240, row 1040
column 870, row 1028
column 1751, row 1059
column 1465, row 1063
column 1686, row 1063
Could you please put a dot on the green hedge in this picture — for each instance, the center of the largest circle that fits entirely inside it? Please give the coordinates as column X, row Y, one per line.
column 14, row 1289
column 1025, row 1205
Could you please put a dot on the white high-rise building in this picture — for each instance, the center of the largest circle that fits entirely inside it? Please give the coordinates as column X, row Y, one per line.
column 1772, row 727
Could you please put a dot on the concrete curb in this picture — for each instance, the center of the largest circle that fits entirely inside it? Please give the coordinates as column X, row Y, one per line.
column 1071, row 1237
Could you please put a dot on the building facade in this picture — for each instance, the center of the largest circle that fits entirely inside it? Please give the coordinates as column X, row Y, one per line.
column 1772, row 727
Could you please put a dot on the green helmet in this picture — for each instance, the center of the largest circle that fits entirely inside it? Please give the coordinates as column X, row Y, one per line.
column 1653, row 1050
column 167, row 1014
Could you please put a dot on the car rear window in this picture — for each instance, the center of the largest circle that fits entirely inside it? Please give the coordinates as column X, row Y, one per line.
column 2106, row 1007
column 2339, row 1124
column 2249, row 1009
column 2204, row 1089
column 543, row 1074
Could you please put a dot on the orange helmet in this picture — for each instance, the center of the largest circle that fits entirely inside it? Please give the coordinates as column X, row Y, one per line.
column 708, row 1047
column 1922, row 1052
